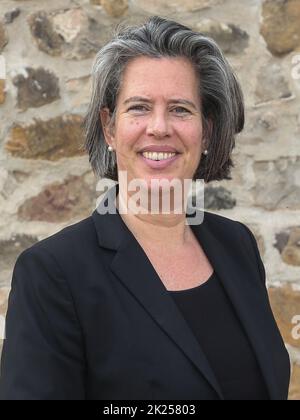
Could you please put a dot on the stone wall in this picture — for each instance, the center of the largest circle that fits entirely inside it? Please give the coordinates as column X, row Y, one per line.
column 45, row 179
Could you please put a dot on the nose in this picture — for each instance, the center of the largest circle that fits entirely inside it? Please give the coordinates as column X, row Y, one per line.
column 158, row 125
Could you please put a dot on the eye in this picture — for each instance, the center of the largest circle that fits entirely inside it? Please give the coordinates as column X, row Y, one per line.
column 140, row 107
column 182, row 109
column 136, row 107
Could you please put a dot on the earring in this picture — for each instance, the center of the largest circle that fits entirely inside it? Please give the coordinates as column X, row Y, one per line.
column 110, row 149
column 205, row 152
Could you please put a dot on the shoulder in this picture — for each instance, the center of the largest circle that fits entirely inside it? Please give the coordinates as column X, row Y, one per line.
column 219, row 223
column 65, row 245
column 233, row 232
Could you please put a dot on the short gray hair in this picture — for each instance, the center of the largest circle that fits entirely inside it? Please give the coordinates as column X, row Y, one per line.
column 221, row 96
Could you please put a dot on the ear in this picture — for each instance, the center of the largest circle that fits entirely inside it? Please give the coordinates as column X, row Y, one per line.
column 105, row 118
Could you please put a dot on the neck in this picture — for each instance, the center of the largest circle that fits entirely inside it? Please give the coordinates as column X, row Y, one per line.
column 160, row 229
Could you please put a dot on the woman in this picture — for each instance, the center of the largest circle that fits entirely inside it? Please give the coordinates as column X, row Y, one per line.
column 143, row 305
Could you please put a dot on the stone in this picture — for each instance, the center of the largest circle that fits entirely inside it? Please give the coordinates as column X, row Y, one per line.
column 3, row 37
column 268, row 120
column 44, row 34
column 60, row 202
column 70, row 33
column 10, row 181
column 3, row 177
column 280, row 26
column 8, row 184
column 218, row 198
column 259, row 239
column 96, row 2
column 271, row 83
column 4, row 293
column 2, row 91
column 281, row 240
column 69, row 23
column 115, row 8
column 36, row 87
column 10, row 16
column 19, row 176
column 3, row 299
column 11, row 248
column 277, row 186
column 79, row 91
column 159, row 7
column 294, row 394
column 285, row 302
column 51, row 140
column 231, row 38
column 291, row 252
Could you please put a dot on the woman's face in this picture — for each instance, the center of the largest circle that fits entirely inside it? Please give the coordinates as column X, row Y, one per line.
column 159, row 119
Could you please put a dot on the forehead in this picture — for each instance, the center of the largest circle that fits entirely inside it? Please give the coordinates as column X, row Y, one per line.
column 170, row 76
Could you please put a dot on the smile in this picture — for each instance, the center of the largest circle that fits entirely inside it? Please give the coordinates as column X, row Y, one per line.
column 159, row 160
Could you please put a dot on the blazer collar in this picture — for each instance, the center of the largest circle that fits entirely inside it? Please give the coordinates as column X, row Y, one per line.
column 133, row 268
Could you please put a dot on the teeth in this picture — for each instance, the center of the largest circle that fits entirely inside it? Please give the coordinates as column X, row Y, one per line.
column 158, row 156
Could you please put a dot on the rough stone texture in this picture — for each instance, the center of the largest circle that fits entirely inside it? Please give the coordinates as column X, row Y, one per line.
column 280, row 27
column 271, row 83
column 285, row 302
column 291, row 252
column 115, row 8
column 277, row 184
column 218, row 198
column 50, row 140
column 2, row 91
column 175, row 6
column 4, row 292
column 10, row 249
column 295, row 384
column 70, row 33
column 10, row 181
column 259, row 238
column 36, row 87
column 60, row 202
column 3, row 37
column 10, row 16
column 3, row 300
column 231, row 38
column 43, row 32
column 281, row 240
column 79, row 91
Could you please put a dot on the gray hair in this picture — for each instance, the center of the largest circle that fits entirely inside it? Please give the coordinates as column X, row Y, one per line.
column 221, row 95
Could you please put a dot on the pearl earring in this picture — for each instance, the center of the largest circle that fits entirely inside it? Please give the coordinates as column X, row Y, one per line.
column 110, row 149
column 205, row 152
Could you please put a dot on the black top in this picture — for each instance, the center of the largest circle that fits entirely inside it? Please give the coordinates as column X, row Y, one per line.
column 213, row 320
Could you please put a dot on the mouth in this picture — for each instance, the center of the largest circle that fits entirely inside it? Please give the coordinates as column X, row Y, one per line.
column 159, row 160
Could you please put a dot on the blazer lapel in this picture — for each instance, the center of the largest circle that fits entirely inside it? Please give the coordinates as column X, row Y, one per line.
column 133, row 268
column 249, row 301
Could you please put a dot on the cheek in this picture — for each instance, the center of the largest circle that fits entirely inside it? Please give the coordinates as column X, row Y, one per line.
column 129, row 133
column 193, row 143
column 192, row 133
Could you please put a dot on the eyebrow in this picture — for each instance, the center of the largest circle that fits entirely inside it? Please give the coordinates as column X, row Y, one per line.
column 171, row 101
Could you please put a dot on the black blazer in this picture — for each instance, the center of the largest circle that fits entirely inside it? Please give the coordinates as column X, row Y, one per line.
column 89, row 318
